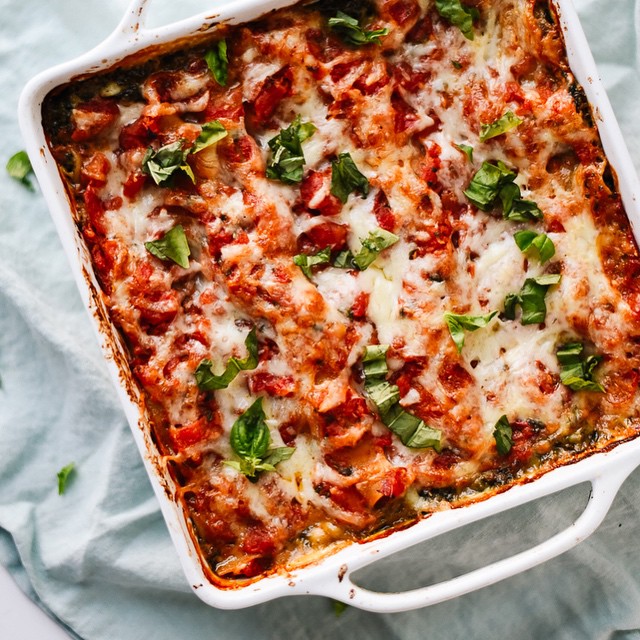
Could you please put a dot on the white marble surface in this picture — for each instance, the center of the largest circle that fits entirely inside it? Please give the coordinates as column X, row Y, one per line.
column 21, row 619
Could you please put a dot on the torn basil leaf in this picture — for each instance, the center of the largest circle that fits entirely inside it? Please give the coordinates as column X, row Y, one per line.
column 503, row 434
column 211, row 133
column 305, row 261
column 250, row 440
column 466, row 149
column 218, row 62
column 344, row 260
column 496, row 181
column 576, row 372
column 486, row 184
column 63, row 477
column 458, row 324
column 377, row 241
column 539, row 244
column 19, row 168
column 162, row 164
column 172, row 246
column 531, row 299
column 458, row 15
column 351, row 32
column 507, row 122
column 412, row 431
column 208, row 381
column 287, row 160
column 346, row 178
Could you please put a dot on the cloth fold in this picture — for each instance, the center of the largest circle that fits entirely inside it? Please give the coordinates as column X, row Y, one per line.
column 99, row 557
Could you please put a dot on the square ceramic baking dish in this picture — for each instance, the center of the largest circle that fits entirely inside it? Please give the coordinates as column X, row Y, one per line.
column 332, row 577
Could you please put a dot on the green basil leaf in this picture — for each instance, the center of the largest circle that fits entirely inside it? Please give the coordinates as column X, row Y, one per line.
column 458, row 15
column 208, row 381
column 250, row 437
column 305, row 261
column 19, row 168
column 377, row 241
column 458, row 324
column 211, row 133
column 287, row 160
column 162, row 164
column 531, row 242
column 351, row 32
column 503, row 434
column 487, row 183
column 346, row 178
column 278, row 454
column 218, row 62
column 523, row 211
column 344, row 260
column 412, row 431
column 172, row 246
column 531, row 299
column 63, row 477
column 575, row 371
column 507, row 122
column 466, row 149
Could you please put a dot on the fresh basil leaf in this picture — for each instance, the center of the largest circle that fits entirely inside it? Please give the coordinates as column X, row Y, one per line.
column 412, row 431
column 486, row 184
column 63, row 477
column 211, row 133
column 346, row 178
column 458, row 15
column 172, row 246
column 351, row 32
column 503, row 435
column 466, row 149
column 218, row 62
column 250, row 436
column 507, row 122
column 344, row 260
column 208, row 381
column 531, row 299
column 538, row 243
column 250, row 439
column 456, row 64
column 575, row 371
column 374, row 361
column 305, row 261
column 522, row 210
column 162, row 164
column 377, row 241
column 458, row 324
column 19, row 168
column 287, row 160
column 278, row 454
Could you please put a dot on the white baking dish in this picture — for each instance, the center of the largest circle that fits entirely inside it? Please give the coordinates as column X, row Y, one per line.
column 332, row 576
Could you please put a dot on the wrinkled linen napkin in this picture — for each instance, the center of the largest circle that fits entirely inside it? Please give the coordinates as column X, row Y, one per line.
column 99, row 557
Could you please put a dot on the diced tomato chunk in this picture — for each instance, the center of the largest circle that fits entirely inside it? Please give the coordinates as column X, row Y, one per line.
column 395, row 483
column 315, row 192
column 95, row 170
column 236, row 150
column 279, row 386
column 133, row 184
column 95, row 210
column 382, row 211
column 405, row 114
column 93, row 118
column 404, row 11
column 274, row 90
column 188, row 434
column 138, row 134
column 323, row 235
column 258, row 540
column 360, row 305
column 157, row 308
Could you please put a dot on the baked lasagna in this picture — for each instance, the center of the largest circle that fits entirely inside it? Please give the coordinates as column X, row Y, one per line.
column 367, row 261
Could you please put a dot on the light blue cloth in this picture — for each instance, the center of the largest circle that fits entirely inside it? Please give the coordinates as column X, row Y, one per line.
column 99, row 557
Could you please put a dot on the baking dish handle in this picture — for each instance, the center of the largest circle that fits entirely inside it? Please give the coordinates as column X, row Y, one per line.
column 603, row 491
column 131, row 25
